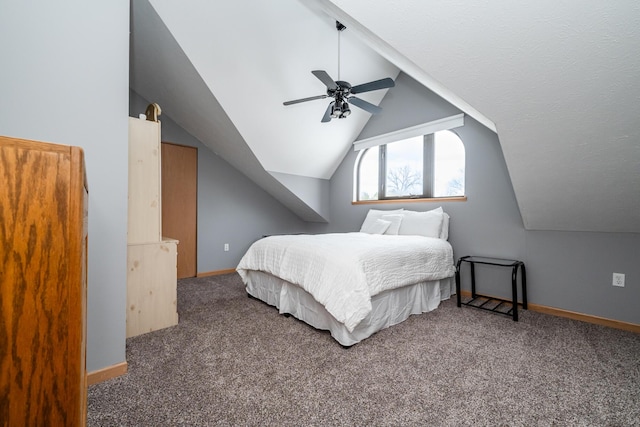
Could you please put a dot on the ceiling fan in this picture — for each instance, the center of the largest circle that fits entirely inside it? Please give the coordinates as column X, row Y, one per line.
column 342, row 92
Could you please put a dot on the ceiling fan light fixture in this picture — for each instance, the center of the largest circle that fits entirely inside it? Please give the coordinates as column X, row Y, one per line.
column 337, row 108
column 340, row 109
column 345, row 111
column 335, row 111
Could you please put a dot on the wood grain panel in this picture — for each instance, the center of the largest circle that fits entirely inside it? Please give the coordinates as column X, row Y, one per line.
column 43, row 277
column 152, row 300
column 179, row 203
column 144, row 220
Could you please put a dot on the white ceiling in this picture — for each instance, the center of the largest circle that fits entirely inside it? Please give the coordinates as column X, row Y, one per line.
column 558, row 80
column 256, row 55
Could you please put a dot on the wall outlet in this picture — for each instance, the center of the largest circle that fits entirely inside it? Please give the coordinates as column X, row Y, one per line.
column 226, row 248
column 618, row 280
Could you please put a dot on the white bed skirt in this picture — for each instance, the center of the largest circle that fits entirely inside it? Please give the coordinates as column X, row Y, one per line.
column 388, row 308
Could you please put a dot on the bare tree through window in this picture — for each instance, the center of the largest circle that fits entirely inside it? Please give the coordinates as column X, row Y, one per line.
column 403, row 181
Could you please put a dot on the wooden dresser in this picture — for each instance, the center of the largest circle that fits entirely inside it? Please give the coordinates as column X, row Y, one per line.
column 43, row 279
column 151, row 258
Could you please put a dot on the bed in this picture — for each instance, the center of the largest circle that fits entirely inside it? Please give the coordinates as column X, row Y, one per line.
column 355, row 284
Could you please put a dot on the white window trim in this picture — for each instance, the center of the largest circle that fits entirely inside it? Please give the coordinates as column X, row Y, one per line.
column 356, row 182
column 434, row 126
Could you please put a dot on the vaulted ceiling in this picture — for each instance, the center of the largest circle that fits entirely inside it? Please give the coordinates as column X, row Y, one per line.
column 557, row 81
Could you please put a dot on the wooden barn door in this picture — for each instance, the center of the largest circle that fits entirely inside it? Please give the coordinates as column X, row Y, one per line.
column 179, row 203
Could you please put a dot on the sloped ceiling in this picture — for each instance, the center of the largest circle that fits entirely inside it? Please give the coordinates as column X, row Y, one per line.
column 558, row 81
column 561, row 83
column 161, row 72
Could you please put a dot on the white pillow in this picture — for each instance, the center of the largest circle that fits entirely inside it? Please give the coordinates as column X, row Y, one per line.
column 395, row 221
column 444, row 233
column 428, row 224
column 377, row 227
column 374, row 214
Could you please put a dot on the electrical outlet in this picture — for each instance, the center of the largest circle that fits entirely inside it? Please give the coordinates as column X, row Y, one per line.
column 618, row 280
column 226, row 247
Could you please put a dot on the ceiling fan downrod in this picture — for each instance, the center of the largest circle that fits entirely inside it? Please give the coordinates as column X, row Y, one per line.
column 340, row 28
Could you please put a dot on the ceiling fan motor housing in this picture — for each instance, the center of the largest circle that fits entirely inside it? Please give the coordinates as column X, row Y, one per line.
column 343, row 89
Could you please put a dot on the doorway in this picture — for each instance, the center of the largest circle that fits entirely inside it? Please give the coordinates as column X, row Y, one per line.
column 180, row 202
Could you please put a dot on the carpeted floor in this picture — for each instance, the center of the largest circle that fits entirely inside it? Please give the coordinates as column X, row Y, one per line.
column 233, row 360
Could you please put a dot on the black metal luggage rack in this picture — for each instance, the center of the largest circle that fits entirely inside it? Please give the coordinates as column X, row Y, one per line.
column 484, row 302
column 496, row 305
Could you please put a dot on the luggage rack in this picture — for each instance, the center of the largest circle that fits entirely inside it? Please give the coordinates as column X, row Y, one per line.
column 493, row 304
column 489, row 303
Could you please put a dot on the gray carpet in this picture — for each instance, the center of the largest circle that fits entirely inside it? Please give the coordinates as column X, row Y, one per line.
column 233, row 360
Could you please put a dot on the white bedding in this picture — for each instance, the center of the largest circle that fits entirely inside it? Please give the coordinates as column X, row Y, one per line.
column 363, row 265
column 388, row 308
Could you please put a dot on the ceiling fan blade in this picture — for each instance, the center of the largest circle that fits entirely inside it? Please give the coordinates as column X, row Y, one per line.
column 311, row 98
column 327, row 114
column 367, row 106
column 375, row 85
column 324, row 78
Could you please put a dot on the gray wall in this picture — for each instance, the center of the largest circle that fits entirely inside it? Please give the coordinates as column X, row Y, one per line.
column 313, row 191
column 65, row 70
column 231, row 208
column 567, row 270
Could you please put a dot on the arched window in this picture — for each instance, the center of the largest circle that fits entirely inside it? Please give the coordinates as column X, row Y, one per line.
column 427, row 166
column 368, row 164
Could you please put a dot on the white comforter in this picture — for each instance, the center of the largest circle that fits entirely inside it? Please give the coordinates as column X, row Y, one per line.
column 344, row 270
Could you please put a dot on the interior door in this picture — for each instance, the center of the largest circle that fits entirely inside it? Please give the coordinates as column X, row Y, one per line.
column 179, row 203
